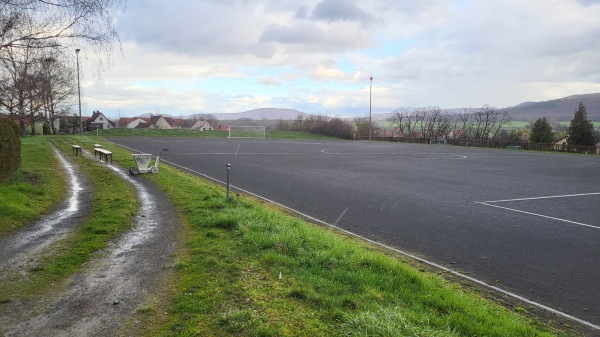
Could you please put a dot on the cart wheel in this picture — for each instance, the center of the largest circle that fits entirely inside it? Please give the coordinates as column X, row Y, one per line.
column 131, row 170
column 134, row 170
column 154, row 169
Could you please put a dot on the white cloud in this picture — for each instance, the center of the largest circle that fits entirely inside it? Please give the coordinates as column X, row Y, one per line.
column 319, row 54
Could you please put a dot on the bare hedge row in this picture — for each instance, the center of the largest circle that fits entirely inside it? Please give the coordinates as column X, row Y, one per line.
column 10, row 149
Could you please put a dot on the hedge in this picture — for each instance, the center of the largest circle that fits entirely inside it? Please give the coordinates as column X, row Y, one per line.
column 10, row 149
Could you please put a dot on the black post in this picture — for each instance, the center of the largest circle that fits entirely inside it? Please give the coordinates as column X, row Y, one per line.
column 227, row 193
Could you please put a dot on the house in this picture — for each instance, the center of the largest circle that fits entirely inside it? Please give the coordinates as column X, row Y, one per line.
column 155, row 122
column 123, row 121
column 99, row 121
column 562, row 141
column 221, row 127
column 175, row 123
column 132, row 123
column 144, row 125
column 203, row 126
column 159, row 122
column 70, row 124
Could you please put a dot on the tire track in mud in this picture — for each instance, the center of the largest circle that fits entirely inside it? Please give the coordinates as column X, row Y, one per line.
column 109, row 289
column 23, row 248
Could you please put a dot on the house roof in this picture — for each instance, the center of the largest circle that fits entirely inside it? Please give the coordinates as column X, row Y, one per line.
column 200, row 124
column 175, row 121
column 143, row 126
column 126, row 120
column 154, row 119
column 97, row 114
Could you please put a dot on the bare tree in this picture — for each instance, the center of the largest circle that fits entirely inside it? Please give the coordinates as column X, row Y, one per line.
column 58, row 87
column 282, row 125
column 52, row 23
column 17, row 82
column 362, row 126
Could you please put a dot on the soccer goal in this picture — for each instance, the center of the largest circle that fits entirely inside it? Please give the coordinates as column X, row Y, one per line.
column 246, row 131
column 437, row 140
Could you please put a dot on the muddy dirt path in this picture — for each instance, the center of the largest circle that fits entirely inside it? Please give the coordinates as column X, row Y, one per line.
column 109, row 289
column 21, row 249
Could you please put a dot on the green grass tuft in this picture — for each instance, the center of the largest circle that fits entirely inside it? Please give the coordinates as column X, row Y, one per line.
column 35, row 188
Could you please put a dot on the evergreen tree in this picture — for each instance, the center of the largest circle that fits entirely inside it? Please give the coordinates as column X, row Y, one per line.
column 581, row 130
column 541, row 131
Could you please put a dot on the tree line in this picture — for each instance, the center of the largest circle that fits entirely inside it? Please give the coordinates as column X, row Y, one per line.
column 581, row 130
column 481, row 124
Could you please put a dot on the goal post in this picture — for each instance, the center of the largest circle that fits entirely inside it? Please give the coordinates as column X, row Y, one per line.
column 246, row 131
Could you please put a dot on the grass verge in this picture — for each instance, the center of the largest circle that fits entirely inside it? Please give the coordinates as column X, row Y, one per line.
column 112, row 208
column 249, row 269
column 34, row 189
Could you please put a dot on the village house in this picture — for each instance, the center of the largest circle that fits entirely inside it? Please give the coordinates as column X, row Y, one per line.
column 99, row 121
column 203, row 126
column 207, row 126
column 152, row 122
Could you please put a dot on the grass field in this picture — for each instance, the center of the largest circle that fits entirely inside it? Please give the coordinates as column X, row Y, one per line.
column 34, row 189
column 249, row 269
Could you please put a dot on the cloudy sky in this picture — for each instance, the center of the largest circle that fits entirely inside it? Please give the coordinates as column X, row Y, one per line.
column 213, row 56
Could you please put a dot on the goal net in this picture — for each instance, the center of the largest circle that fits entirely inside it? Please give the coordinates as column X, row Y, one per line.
column 246, row 131
column 437, row 140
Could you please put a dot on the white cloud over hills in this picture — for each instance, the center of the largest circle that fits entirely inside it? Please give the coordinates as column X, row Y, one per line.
column 185, row 56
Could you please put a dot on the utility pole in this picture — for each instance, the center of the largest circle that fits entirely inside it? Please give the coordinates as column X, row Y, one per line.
column 79, row 93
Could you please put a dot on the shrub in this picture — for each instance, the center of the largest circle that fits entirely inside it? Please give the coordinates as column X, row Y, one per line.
column 10, row 149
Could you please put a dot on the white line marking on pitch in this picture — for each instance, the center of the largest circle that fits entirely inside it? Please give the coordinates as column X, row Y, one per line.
column 548, row 197
column 238, row 150
column 459, row 156
column 433, row 264
column 540, row 215
column 156, row 140
column 242, row 154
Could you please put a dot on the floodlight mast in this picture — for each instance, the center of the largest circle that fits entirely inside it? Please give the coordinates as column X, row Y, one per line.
column 370, row 99
column 79, row 93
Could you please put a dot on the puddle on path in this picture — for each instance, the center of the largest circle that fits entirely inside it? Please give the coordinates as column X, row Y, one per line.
column 23, row 246
column 99, row 299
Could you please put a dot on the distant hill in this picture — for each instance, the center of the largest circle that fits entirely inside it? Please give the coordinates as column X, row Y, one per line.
column 263, row 113
column 561, row 109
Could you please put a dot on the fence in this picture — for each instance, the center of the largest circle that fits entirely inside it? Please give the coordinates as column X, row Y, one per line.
column 498, row 144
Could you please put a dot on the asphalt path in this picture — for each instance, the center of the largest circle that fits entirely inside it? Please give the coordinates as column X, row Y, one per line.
column 526, row 222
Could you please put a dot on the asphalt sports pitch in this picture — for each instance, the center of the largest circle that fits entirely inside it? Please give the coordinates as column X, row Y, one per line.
column 525, row 222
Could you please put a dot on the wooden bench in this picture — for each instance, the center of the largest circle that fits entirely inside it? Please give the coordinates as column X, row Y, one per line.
column 97, row 146
column 76, row 150
column 103, row 154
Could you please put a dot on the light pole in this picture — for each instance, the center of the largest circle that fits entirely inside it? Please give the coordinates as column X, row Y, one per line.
column 370, row 96
column 79, row 93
